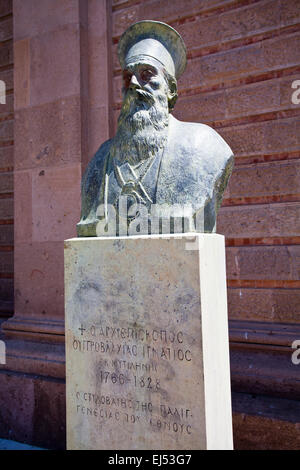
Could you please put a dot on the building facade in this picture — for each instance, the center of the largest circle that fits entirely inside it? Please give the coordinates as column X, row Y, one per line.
column 63, row 95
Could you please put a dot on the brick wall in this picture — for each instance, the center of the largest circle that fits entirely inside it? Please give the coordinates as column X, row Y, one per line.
column 6, row 162
column 242, row 59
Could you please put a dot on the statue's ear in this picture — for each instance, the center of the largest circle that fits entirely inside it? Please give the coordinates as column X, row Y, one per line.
column 172, row 92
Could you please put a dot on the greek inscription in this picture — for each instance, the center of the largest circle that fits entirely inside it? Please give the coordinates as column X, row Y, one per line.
column 171, row 426
column 135, row 366
column 171, row 419
column 113, row 401
column 81, row 329
column 133, row 356
column 98, row 412
column 136, row 334
column 177, row 413
column 167, row 353
column 147, row 382
column 119, row 379
column 133, row 350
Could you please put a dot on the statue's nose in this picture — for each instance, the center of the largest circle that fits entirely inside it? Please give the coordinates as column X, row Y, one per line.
column 134, row 82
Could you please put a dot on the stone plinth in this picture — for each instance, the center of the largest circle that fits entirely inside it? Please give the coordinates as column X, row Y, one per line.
column 147, row 343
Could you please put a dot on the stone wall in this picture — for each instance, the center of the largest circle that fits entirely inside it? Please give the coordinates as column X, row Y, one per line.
column 61, row 111
column 6, row 162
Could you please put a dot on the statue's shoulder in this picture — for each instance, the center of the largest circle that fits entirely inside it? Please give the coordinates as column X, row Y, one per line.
column 100, row 156
column 95, row 168
column 200, row 140
column 97, row 164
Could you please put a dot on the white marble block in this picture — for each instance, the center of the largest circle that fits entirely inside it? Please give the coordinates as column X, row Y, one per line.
column 147, row 355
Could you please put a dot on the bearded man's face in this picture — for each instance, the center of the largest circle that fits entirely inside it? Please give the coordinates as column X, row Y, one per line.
column 144, row 118
column 145, row 91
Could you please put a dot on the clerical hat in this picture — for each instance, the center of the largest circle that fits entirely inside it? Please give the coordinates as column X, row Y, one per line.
column 156, row 40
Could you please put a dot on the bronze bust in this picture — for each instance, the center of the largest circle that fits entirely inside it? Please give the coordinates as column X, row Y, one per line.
column 157, row 174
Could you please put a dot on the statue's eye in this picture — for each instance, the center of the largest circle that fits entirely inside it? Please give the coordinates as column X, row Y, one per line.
column 146, row 75
column 126, row 78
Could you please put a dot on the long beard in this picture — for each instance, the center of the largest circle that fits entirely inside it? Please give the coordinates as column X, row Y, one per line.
column 142, row 127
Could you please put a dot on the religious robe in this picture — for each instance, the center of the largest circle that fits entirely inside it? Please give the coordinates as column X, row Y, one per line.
column 193, row 172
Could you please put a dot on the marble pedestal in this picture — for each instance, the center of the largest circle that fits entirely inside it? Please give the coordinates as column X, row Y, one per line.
column 147, row 356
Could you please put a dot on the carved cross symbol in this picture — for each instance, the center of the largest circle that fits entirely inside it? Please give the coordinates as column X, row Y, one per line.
column 81, row 329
